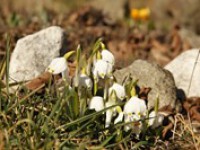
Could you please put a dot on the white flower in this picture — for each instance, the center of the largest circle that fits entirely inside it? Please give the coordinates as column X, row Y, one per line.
column 134, row 110
column 119, row 118
column 58, row 65
column 108, row 56
column 96, row 103
column 155, row 119
column 135, row 105
column 102, row 69
column 85, row 81
column 112, row 112
column 109, row 113
column 119, row 90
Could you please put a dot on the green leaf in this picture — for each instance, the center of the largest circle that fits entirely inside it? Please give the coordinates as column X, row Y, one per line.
column 96, row 46
column 73, row 104
column 130, row 88
column 83, row 103
column 78, row 55
column 95, row 87
column 69, row 54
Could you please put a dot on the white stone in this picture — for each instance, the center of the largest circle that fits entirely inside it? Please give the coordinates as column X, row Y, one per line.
column 34, row 52
column 186, row 71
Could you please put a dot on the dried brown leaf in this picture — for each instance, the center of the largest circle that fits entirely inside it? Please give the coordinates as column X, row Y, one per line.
column 167, row 129
column 40, row 80
column 144, row 91
column 195, row 113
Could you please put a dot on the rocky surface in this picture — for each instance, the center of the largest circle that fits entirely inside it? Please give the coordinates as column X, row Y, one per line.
column 186, row 71
column 150, row 75
column 33, row 53
column 190, row 36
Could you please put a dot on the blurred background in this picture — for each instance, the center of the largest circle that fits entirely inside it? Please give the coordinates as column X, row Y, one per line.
column 154, row 30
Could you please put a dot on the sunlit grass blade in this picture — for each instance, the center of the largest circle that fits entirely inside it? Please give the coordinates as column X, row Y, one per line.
column 2, row 68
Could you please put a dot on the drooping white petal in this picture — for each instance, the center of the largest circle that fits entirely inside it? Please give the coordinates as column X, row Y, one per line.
column 96, row 103
column 109, row 70
column 108, row 56
column 109, row 113
column 85, row 81
column 119, row 89
column 102, row 68
column 135, row 105
column 58, row 65
column 155, row 120
column 119, row 118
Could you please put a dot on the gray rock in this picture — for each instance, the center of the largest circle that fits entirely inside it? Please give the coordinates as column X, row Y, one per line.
column 190, row 36
column 33, row 53
column 186, row 71
column 151, row 75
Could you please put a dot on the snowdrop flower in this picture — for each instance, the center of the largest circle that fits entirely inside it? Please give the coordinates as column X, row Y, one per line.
column 58, row 65
column 96, row 103
column 119, row 90
column 135, row 105
column 102, row 69
column 112, row 112
column 108, row 56
column 155, row 119
column 85, row 81
column 134, row 110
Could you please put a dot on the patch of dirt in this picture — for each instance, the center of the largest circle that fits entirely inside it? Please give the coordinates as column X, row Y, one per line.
column 127, row 42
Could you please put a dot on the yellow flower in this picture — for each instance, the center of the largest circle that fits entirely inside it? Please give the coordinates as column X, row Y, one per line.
column 135, row 14
column 140, row 14
column 144, row 13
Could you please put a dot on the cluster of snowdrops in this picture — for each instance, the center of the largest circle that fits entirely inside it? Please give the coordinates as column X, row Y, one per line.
column 94, row 74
